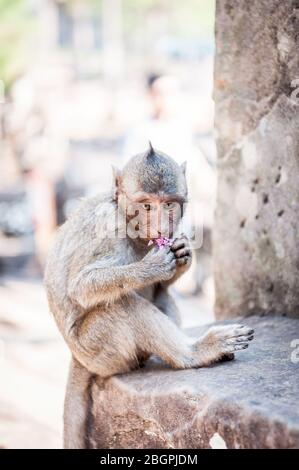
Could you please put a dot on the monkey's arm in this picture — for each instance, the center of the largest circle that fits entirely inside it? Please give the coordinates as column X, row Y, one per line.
column 97, row 283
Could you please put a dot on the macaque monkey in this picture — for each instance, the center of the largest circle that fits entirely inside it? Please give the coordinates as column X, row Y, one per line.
column 108, row 290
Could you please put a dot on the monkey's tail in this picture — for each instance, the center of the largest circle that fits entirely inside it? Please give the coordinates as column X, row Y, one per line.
column 77, row 407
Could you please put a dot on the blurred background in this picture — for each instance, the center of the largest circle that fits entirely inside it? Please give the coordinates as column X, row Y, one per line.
column 85, row 84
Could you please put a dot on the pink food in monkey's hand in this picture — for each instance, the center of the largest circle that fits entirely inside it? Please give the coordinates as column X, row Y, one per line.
column 160, row 242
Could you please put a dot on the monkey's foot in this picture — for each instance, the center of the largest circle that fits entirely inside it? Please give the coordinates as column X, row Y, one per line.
column 220, row 343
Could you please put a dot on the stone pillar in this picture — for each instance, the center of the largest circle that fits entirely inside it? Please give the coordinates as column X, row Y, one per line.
column 256, row 240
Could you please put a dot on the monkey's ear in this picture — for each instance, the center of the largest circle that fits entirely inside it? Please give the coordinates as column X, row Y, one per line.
column 116, row 177
column 184, row 167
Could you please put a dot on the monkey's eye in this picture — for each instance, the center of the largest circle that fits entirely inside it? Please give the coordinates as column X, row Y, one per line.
column 170, row 205
column 146, row 207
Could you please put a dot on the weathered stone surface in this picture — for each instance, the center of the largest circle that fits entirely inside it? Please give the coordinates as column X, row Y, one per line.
column 251, row 402
column 257, row 119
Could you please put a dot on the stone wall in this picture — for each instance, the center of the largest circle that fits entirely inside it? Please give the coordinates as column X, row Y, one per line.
column 256, row 248
column 248, row 403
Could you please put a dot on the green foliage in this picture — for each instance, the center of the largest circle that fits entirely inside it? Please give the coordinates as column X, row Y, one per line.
column 15, row 26
column 187, row 18
column 194, row 18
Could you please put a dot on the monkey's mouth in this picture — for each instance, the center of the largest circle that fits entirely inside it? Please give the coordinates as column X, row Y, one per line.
column 160, row 242
column 148, row 234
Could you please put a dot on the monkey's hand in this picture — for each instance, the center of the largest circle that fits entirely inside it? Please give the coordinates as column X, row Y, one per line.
column 220, row 342
column 182, row 252
column 160, row 264
column 183, row 257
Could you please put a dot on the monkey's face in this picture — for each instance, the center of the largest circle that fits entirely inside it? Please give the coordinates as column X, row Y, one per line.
column 151, row 216
column 151, row 192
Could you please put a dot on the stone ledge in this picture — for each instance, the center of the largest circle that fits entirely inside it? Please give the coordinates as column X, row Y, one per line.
column 251, row 402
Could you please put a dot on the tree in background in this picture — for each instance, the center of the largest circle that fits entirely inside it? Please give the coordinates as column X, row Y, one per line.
column 16, row 23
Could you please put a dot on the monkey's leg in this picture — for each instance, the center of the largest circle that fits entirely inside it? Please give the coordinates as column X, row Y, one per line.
column 109, row 340
column 166, row 303
column 76, row 406
column 157, row 334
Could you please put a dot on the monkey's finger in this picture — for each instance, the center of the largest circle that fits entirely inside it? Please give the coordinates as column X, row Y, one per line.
column 182, row 252
column 242, row 339
column 182, row 261
column 236, row 347
column 179, row 243
column 239, row 340
column 243, row 330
